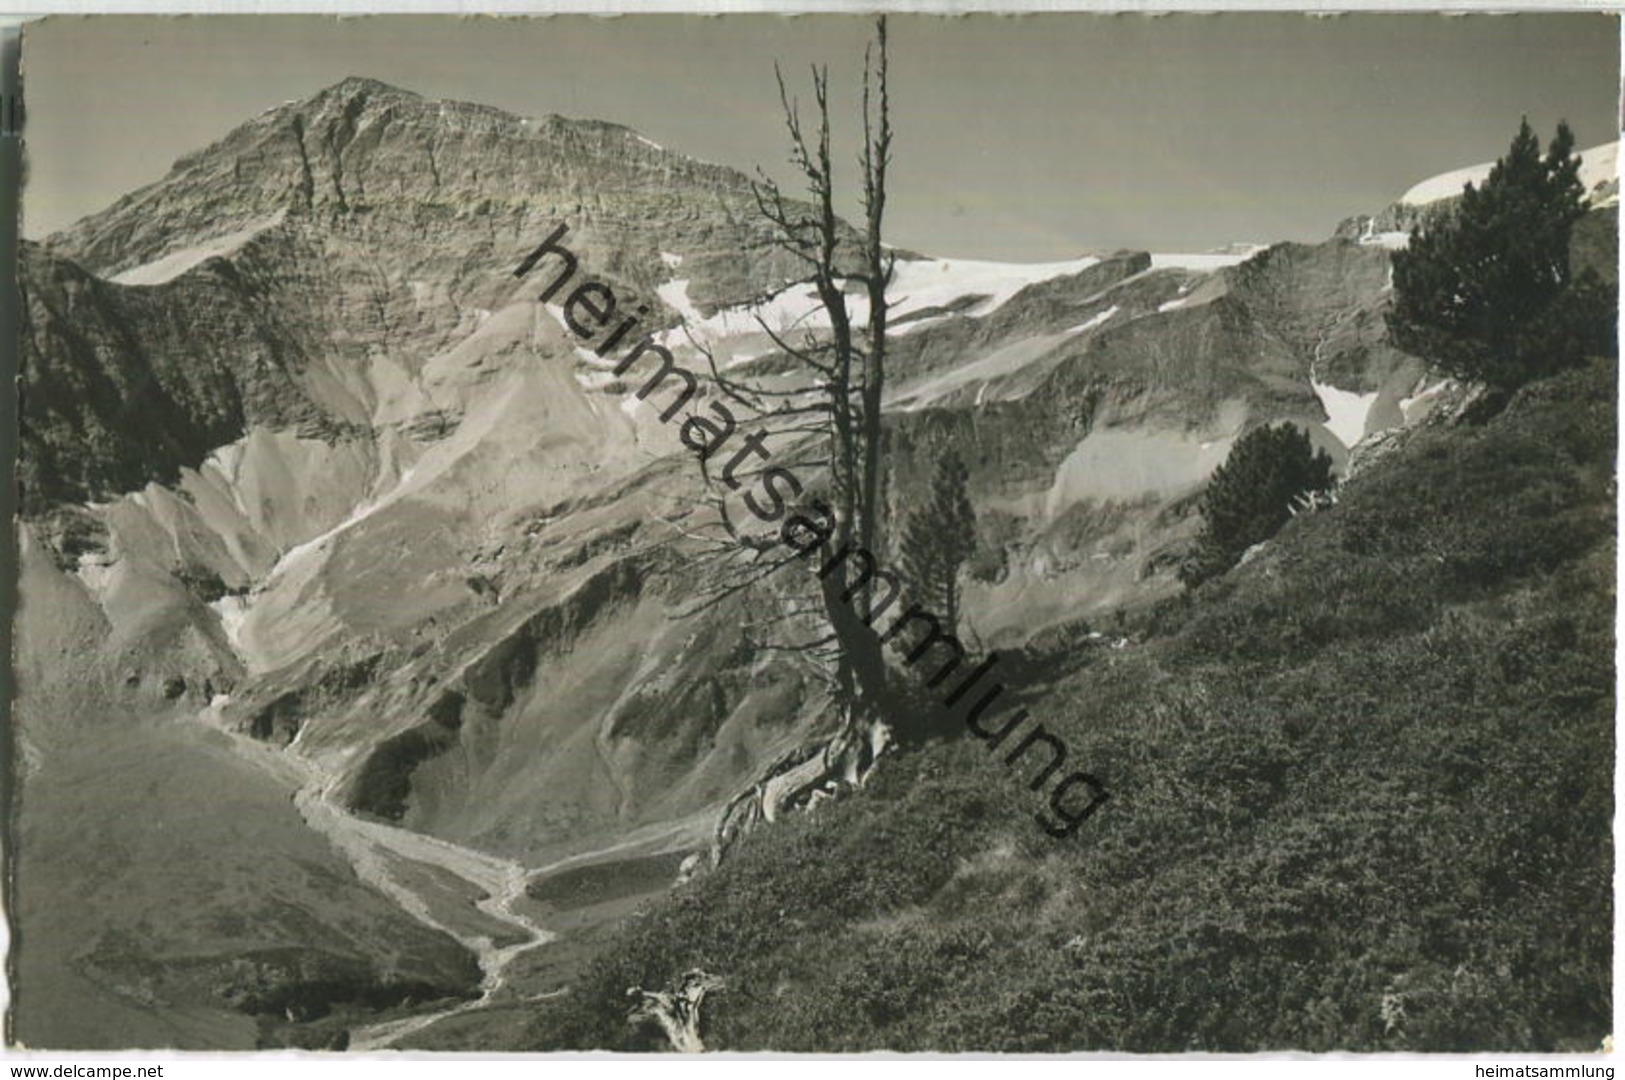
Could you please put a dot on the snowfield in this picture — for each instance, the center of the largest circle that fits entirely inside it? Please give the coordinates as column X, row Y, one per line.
column 1598, row 165
column 917, row 285
column 927, row 283
column 176, row 263
column 1094, row 321
column 1205, row 261
column 1346, row 411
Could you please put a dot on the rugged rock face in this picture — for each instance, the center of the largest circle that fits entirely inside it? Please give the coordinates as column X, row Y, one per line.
column 1086, row 445
column 319, row 479
column 119, row 390
column 363, row 163
column 338, row 244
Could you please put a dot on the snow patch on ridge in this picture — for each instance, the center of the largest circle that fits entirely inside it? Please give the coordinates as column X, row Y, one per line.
column 1204, row 262
column 95, row 569
column 1397, row 240
column 791, row 311
column 1095, row 321
column 1598, row 165
column 1423, row 395
column 674, row 294
column 233, row 612
column 176, row 263
column 1346, row 411
column 917, row 285
column 1393, row 241
column 594, row 381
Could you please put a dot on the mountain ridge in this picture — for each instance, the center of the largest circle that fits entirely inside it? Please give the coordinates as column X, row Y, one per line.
column 398, row 529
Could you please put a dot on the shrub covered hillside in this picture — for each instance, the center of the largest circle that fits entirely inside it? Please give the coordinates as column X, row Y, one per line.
column 1361, row 799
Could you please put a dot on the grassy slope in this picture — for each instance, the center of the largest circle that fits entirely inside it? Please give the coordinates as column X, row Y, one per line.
column 1362, row 799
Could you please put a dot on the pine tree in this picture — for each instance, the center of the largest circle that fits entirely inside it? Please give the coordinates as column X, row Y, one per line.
column 937, row 541
column 1485, row 293
column 1250, row 496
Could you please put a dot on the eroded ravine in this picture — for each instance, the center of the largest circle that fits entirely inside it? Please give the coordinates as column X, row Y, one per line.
column 385, row 856
column 373, row 849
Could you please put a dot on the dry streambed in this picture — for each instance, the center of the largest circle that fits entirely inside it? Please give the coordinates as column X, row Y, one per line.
column 490, row 905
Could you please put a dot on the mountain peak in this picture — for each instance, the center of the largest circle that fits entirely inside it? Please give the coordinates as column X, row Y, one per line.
column 363, row 146
column 360, row 86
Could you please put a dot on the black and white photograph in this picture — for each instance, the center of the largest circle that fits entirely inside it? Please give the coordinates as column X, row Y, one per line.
column 1071, row 533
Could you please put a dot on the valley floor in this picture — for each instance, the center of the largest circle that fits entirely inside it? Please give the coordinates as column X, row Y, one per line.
column 169, row 838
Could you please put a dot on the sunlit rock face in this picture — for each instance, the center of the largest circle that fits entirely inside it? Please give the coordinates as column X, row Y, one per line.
column 307, row 467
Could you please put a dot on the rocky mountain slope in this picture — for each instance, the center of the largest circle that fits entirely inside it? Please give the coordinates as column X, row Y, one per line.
column 338, row 503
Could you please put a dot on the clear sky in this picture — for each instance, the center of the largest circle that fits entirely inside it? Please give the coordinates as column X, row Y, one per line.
column 1023, row 138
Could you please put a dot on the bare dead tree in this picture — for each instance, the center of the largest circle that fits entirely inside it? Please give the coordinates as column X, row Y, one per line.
column 852, row 362
column 676, row 1011
column 827, row 415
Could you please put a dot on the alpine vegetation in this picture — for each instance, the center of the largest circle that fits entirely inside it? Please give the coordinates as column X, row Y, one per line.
column 492, row 582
